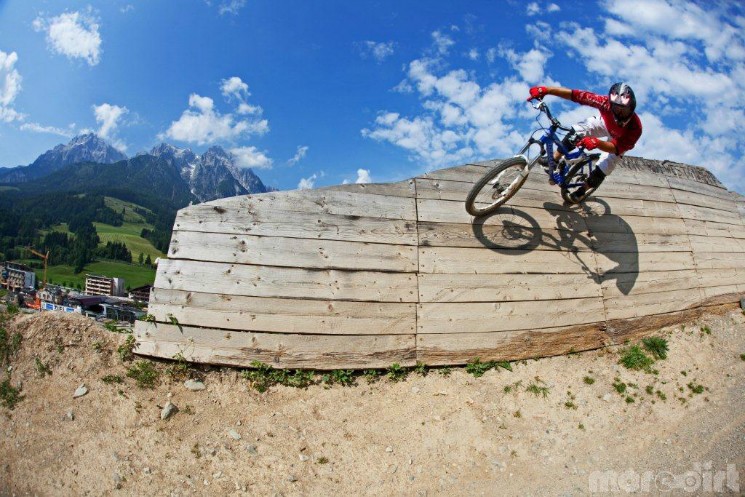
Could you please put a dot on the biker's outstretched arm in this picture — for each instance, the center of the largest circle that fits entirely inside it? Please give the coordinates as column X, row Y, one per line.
column 542, row 91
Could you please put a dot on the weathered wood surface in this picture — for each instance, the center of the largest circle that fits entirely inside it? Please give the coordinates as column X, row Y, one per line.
column 362, row 276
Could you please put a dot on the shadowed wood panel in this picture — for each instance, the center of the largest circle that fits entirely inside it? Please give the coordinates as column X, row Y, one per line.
column 504, row 231
column 621, row 285
column 264, row 281
column 296, row 252
column 632, row 262
column 481, row 261
column 504, row 287
column 457, row 317
column 283, row 315
column 233, row 348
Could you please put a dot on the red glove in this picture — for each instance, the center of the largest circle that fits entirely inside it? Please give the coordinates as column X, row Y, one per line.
column 537, row 92
column 588, row 143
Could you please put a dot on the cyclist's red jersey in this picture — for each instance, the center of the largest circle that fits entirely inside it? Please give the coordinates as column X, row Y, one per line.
column 623, row 137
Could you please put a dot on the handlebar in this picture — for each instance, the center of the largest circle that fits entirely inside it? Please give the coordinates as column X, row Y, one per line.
column 541, row 106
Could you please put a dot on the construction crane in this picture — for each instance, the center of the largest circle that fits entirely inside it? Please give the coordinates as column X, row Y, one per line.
column 46, row 258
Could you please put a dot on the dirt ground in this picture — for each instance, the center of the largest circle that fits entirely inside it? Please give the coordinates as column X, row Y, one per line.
column 554, row 426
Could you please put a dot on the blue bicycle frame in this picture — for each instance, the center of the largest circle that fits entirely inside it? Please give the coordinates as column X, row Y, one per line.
column 547, row 142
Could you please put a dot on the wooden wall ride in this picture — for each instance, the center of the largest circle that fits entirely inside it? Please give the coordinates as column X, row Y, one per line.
column 363, row 276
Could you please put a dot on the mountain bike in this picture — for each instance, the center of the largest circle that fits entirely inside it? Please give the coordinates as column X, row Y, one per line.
column 502, row 182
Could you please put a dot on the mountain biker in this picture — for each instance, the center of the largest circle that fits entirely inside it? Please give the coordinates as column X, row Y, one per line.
column 616, row 121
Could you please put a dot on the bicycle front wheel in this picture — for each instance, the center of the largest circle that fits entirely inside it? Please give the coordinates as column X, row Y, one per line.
column 496, row 187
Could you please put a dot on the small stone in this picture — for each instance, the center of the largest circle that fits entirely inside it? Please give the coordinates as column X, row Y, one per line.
column 168, row 410
column 292, row 479
column 81, row 390
column 238, row 423
column 252, row 449
column 414, row 389
column 742, row 303
column 234, row 435
column 303, row 457
column 217, row 475
column 389, row 449
column 70, row 416
column 146, row 471
column 194, row 385
column 607, row 397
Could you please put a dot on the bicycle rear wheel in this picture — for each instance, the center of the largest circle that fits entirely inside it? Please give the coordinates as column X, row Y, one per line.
column 496, row 187
column 577, row 176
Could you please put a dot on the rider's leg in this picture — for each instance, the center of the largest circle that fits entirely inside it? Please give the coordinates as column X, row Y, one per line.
column 605, row 165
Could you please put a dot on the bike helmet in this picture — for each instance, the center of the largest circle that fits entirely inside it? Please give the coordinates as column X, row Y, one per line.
column 622, row 102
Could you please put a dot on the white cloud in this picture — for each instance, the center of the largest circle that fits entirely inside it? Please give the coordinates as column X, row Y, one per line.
column 299, row 155
column 202, row 124
column 442, row 42
column 363, row 176
column 73, row 34
column 530, row 65
column 533, row 8
column 473, row 54
column 251, row 157
column 232, row 7
column 377, row 50
column 307, row 183
column 10, row 86
column 127, row 8
column 552, row 7
column 108, row 117
column 39, row 128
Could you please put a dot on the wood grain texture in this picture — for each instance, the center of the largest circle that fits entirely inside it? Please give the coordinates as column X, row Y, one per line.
column 362, row 276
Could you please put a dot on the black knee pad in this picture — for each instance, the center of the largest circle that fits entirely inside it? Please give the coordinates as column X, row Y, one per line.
column 570, row 140
column 596, row 177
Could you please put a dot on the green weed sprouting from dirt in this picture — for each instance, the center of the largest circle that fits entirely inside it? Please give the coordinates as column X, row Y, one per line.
column 478, row 368
column 421, row 369
column 537, row 390
column 263, row 376
column 706, row 330
column 619, row 386
column 696, row 388
column 9, row 395
column 12, row 309
column 588, row 380
column 144, row 374
column 343, row 377
column 656, row 346
column 41, row 368
column 371, row 375
column 126, row 350
column 635, row 358
column 180, row 368
column 112, row 378
column 9, row 345
column 446, row 371
column 742, row 357
column 397, row 373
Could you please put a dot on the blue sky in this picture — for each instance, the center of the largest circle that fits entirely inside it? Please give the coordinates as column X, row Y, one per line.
column 319, row 93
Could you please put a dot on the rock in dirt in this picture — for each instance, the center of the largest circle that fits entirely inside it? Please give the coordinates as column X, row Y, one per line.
column 234, row 435
column 70, row 416
column 81, row 390
column 168, row 410
column 194, row 385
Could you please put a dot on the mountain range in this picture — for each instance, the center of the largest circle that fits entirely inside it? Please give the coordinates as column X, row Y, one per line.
column 180, row 173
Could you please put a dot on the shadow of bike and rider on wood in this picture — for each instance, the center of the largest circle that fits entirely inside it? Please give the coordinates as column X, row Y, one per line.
column 578, row 230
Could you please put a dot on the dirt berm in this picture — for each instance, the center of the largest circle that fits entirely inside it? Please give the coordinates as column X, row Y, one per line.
column 560, row 426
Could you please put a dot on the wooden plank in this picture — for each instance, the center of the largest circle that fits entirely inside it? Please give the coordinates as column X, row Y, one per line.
column 641, row 242
column 467, row 173
column 711, row 228
column 651, row 282
column 719, row 260
column 721, row 277
column 266, row 281
column 216, row 346
column 700, row 199
column 485, row 261
column 334, row 202
column 295, row 252
column 460, row 348
column 502, row 232
column 733, row 293
column 717, row 244
column 399, row 189
column 444, row 211
column 681, row 187
column 646, row 304
column 708, row 214
column 632, row 262
column 636, row 225
column 498, row 288
column 478, row 317
column 325, row 317
column 297, row 225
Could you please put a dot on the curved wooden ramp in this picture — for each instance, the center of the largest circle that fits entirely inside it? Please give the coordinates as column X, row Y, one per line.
column 363, row 276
